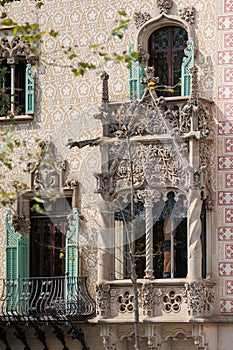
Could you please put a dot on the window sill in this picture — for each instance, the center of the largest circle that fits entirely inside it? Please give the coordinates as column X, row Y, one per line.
column 19, row 118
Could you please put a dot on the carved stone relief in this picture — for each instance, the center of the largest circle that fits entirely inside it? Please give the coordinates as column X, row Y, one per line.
column 140, row 18
column 164, row 5
column 188, row 14
column 103, row 300
column 11, row 47
column 21, row 225
column 172, row 301
column 150, row 295
column 48, row 173
column 199, row 298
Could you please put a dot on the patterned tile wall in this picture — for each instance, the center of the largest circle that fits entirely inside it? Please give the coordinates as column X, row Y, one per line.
column 66, row 104
column 225, row 154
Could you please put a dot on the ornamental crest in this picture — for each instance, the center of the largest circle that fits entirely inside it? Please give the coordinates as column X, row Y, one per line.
column 164, row 5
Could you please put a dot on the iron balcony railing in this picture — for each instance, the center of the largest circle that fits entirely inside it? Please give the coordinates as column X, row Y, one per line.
column 46, row 298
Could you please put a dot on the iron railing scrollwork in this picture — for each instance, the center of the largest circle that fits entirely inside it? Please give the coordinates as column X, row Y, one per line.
column 46, row 297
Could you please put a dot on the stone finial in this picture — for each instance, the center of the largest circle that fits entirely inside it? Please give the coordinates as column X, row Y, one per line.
column 143, row 56
column 141, row 18
column 150, row 78
column 188, row 14
column 195, row 86
column 164, row 5
column 105, row 95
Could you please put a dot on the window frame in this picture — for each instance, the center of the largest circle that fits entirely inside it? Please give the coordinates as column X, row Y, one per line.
column 11, row 57
column 142, row 45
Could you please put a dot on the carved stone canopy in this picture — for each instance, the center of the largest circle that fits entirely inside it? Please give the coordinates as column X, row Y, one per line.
column 48, row 173
column 13, row 47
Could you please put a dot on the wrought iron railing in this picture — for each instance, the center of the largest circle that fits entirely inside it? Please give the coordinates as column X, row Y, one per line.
column 46, row 298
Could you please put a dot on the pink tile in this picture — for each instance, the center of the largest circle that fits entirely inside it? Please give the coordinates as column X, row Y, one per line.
column 225, row 57
column 225, row 198
column 229, row 145
column 229, row 216
column 225, row 128
column 226, row 306
column 228, row 40
column 229, row 287
column 229, row 251
column 225, row 233
column 229, row 180
column 228, row 6
column 225, row 92
column 228, row 110
column 225, row 22
column 225, row 162
column 225, row 269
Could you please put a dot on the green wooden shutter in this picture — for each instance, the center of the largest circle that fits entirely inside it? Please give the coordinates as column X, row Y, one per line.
column 72, row 246
column 29, row 90
column 17, row 268
column 12, row 267
column 188, row 62
column 72, row 264
column 23, row 257
column 136, row 73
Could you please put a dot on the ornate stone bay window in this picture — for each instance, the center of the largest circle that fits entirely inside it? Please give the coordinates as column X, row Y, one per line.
column 155, row 184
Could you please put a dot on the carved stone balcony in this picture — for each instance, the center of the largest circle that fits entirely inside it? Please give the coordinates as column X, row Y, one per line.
column 45, row 298
column 166, row 300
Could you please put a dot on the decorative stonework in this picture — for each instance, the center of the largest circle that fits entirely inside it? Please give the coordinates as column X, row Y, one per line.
column 102, row 300
column 164, row 5
column 150, row 295
column 48, row 173
column 143, row 56
column 109, row 337
column 11, row 47
column 126, row 302
column 188, row 14
column 199, row 298
column 172, row 301
column 195, row 297
column 140, row 18
column 105, row 95
column 21, row 225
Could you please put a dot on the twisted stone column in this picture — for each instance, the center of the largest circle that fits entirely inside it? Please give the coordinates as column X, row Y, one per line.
column 194, row 235
column 149, row 238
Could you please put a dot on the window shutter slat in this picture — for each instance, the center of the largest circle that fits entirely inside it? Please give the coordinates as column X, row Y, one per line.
column 23, row 257
column 12, row 266
column 17, row 267
column 188, row 62
column 29, row 90
column 11, row 249
column 136, row 73
column 71, row 263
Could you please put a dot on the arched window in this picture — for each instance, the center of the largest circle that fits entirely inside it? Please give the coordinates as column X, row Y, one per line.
column 167, row 45
column 167, row 49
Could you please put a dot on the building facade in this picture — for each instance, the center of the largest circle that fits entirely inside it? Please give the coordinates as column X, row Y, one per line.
column 122, row 227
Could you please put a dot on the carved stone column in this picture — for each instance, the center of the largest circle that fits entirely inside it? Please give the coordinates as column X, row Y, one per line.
column 109, row 337
column 194, row 235
column 152, row 332
column 149, row 238
column 106, row 244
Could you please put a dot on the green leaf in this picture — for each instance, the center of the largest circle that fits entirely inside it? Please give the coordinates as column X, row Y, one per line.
column 8, row 22
column 53, row 33
column 122, row 13
column 39, row 4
